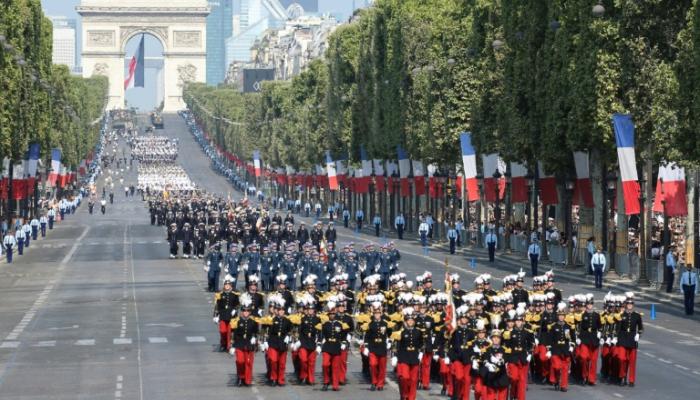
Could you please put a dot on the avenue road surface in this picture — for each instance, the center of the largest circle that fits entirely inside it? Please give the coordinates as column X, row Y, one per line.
column 98, row 311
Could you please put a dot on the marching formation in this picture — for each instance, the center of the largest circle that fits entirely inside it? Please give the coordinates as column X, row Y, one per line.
column 154, row 148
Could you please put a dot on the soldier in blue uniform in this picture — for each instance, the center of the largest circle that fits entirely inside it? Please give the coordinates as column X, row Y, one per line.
column 213, row 268
column 252, row 262
column 268, row 270
column 232, row 262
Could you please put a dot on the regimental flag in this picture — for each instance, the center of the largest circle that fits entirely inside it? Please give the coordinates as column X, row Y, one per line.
column 583, row 190
column 670, row 191
column 624, row 137
column 256, row 163
column 547, row 185
column 55, row 166
column 469, row 165
column 518, row 186
column 404, row 170
column 379, row 177
column 492, row 163
column 419, row 177
column 332, row 175
column 135, row 74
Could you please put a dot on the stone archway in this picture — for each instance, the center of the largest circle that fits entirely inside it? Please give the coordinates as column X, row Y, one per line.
column 180, row 26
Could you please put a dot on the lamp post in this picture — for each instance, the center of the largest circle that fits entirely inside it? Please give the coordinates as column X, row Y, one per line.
column 610, row 188
column 509, row 206
column 643, row 278
column 569, row 190
column 497, row 209
column 479, row 208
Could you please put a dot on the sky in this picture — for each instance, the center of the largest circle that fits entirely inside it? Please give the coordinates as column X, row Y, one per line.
column 144, row 98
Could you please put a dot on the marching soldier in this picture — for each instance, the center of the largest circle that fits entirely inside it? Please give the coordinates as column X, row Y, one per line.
column 42, row 222
column 35, row 228
column 186, row 240
column 172, row 240
column 589, row 338
column 225, row 304
column 628, row 330
column 520, row 342
column 279, row 328
column 213, row 268
column 245, row 330
column 19, row 238
column 308, row 335
column 52, row 217
column 460, row 355
column 494, row 371
column 376, row 345
column 10, row 242
column 333, row 343
column 409, row 345
column 560, row 349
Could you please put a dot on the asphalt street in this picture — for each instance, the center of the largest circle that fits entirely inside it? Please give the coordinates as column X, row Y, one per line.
column 98, row 311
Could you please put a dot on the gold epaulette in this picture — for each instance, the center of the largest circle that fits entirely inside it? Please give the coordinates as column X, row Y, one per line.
column 364, row 327
column 570, row 319
column 323, row 317
column 217, row 296
column 318, row 326
column 437, row 318
column 362, row 318
column 233, row 324
column 506, row 335
column 295, row 319
column 396, row 335
column 345, row 326
column 507, row 350
column 266, row 320
column 396, row 317
column 390, row 325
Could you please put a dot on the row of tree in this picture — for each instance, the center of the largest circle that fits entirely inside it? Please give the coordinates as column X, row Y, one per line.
column 41, row 102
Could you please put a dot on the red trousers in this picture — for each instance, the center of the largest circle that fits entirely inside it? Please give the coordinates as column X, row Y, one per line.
column 446, row 377
column 517, row 374
column 588, row 361
column 343, row 366
column 560, row 370
column 627, row 358
column 225, row 335
column 377, row 369
column 408, row 380
column 497, row 393
column 424, row 375
column 461, row 380
column 307, row 364
column 542, row 363
column 331, row 369
column 277, row 361
column 244, row 365
column 480, row 389
column 608, row 360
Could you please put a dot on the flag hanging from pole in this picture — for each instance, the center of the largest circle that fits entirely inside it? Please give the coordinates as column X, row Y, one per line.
column 583, row 190
column 419, row 177
column 518, row 186
column 404, row 170
column 469, row 165
column 55, row 166
column 330, row 168
column 624, row 138
column 256, row 163
column 135, row 74
column 548, row 186
column 493, row 163
column 670, row 191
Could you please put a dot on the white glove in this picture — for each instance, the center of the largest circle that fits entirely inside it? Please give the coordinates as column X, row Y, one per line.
column 388, row 344
column 636, row 337
column 365, row 352
column 360, row 342
column 602, row 342
column 348, row 338
column 578, row 342
column 549, row 355
column 599, row 335
column 446, row 360
column 420, row 356
column 206, row 269
column 436, row 357
column 226, row 270
column 477, row 350
column 475, row 365
column 287, row 339
column 208, row 263
column 608, row 341
column 529, row 357
column 233, row 313
column 253, row 341
column 491, row 367
column 343, row 346
column 394, row 361
column 614, row 341
column 318, row 349
column 260, row 313
column 571, row 348
column 232, row 351
column 216, row 320
column 264, row 346
column 295, row 346
column 537, row 342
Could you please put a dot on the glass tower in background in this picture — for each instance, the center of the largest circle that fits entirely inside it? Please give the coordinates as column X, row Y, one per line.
column 219, row 28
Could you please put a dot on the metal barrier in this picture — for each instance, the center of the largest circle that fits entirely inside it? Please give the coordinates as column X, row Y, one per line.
column 655, row 272
column 519, row 244
column 557, row 253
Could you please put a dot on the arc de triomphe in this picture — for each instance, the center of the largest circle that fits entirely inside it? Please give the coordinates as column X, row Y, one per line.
column 180, row 26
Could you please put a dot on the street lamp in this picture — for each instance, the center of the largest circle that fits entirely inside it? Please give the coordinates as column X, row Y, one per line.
column 506, row 235
column 497, row 209
column 598, row 10
column 610, row 188
column 569, row 190
column 497, row 44
column 643, row 278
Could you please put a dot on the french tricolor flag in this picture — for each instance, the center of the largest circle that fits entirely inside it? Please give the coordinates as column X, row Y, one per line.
column 135, row 74
column 624, row 137
column 583, row 191
column 492, row 163
column 256, row 163
column 404, row 170
column 670, row 191
column 330, row 169
column 518, row 187
column 547, row 185
column 469, row 165
column 419, row 177
column 379, row 178
column 55, row 166
column 363, row 175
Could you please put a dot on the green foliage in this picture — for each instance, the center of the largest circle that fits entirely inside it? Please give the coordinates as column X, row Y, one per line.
column 38, row 109
column 525, row 77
